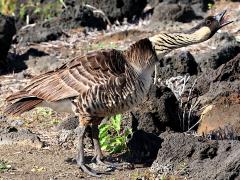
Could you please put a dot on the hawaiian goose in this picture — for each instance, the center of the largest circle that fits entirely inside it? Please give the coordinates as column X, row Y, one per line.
column 105, row 82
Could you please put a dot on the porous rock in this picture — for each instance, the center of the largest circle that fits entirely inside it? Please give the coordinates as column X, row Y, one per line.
column 181, row 63
column 23, row 137
column 197, row 158
column 159, row 111
column 119, row 9
column 217, row 82
column 39, row 32
column 198, row 5
column 67, row 133
column 143, row 147
column 36, row 61
column 77, row 15
column 214, row 59
column 7, row 31
column 173, row 12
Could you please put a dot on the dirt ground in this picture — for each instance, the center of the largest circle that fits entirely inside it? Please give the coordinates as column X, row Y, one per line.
column 52, row 163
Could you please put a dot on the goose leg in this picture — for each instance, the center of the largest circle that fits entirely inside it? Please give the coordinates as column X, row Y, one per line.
column 80, row 155
column 98, row 152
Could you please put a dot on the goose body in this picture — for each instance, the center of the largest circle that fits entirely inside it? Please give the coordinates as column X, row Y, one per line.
column 98, row 84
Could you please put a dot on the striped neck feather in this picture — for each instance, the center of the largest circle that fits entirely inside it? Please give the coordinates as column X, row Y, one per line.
column 164, row 43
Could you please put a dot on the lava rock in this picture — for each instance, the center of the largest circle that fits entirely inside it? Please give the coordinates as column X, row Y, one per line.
column 118, row 9
column 7, row 31
column 148, row 120
column 143, row 147
column 220, row 39
column 77, row 15
column 182, row 63
column 222, row 80
column 35, row 61
column 173, row 12
column 39, row 32
column 22, row 137
column 160, row 110
column 214, row 59
column 196, row 4
column 69, row 124
column 73, row 16
column 197, row 158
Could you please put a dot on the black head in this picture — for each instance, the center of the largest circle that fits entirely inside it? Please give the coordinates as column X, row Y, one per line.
column 216, row 22
column 210, row 25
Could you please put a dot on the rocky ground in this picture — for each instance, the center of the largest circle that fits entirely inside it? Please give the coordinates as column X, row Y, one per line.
column 188, row 126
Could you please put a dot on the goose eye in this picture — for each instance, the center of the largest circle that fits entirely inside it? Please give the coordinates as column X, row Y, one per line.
column 208, row 22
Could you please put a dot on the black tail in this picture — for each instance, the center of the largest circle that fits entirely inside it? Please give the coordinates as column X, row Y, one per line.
column 22, row 105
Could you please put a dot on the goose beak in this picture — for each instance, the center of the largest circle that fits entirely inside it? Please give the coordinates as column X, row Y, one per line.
column 221, row 19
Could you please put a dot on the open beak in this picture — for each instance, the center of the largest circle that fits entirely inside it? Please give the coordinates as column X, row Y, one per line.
column 221, row 19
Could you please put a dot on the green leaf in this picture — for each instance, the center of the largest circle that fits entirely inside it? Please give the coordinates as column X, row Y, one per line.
column 110, row 137
column 104, row 140
column 104, row 147
column 103, row 130
column 116, row 122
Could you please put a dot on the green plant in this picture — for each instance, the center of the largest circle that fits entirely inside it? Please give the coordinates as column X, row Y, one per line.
column 44, row 112
column 44, row 11
column 210, row 5
column 4, row 166
column 112, row 137
column 7, row 7
column 54, row 122
column 100, row 45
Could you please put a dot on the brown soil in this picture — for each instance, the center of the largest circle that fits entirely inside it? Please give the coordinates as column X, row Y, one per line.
column 51, row 163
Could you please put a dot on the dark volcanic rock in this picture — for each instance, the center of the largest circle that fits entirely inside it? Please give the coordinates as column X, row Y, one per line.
column 14, row 136
column 214, row 59
column 173, row 12
column 76, row 15
column 159, row 111
column 148, row 120
column 7, row 30
column 220, row 39
column 35, row 61
column 181, row 63
column 119, row 9
column 42, row 32
column 196, row 4
column 69, row 124
column 143, row 147
column 197, row 158
column 219, row 93
column 73, row 16
column 222, row 80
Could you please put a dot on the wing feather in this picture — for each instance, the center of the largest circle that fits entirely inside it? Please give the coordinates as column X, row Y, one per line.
column 76, row 77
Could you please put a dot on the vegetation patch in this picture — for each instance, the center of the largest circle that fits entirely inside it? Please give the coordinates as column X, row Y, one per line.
column 4, row 166
column 112, row 137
